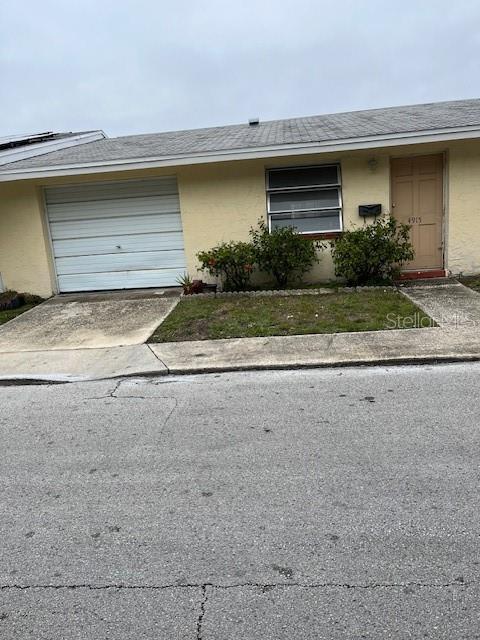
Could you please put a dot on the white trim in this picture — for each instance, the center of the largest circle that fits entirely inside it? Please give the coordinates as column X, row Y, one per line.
column 446, row 208
column 47, row 146
column 308, row 187
column 52, row 267
column 309, row 210
column 275, row 151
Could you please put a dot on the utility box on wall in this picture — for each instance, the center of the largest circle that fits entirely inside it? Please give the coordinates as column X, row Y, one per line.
column 369, row 210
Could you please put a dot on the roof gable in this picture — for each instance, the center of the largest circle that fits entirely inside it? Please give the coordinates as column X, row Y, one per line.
column 15, row 148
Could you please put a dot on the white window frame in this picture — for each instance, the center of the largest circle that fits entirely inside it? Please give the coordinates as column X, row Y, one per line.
column 313, row 187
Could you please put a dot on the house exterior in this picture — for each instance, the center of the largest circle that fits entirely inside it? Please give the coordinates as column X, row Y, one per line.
column 134, row 211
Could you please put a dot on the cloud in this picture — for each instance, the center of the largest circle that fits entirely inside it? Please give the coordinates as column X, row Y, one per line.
column 131, row 67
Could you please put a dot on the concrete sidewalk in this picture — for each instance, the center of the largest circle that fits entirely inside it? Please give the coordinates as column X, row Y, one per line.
column 71, row 365
column 322, row 350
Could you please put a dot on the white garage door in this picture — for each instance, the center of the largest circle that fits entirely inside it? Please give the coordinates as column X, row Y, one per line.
column 116, row 235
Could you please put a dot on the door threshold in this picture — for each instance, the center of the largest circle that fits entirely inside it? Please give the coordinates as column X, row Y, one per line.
column 423, row 274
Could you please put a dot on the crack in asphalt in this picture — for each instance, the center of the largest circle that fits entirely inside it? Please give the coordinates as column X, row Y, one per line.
column 110, row 394
column 113, row 392
column 267, row 585
column 201, row 615
column 170, row 413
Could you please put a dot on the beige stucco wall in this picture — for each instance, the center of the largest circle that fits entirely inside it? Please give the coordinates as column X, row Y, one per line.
column 463, row 212
column 220, row 202
column 24, row 264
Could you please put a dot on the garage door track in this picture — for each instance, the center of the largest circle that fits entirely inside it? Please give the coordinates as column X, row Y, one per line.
column 88, row 321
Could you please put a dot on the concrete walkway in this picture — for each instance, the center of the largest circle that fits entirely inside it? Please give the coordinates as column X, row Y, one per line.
column 452, row 341
column 450, row 304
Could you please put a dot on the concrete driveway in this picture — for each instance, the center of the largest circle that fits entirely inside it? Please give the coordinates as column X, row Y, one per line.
column 88, row 321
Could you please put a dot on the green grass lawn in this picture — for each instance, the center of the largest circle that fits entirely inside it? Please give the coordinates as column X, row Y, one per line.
column 243, row 316
column 9, row 314
column 471, row 281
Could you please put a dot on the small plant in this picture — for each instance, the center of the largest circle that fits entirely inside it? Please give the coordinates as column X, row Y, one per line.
column 283, row 252
column 232, row 262
column 8, row 294
column 10, row 300
column 31, row 298
column 373, row 254
column 186, row 283
column 190, row 286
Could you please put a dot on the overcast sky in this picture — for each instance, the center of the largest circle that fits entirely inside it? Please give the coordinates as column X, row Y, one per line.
column 134, row 66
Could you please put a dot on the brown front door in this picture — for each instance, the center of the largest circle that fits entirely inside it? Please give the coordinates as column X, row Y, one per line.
column 417, row 200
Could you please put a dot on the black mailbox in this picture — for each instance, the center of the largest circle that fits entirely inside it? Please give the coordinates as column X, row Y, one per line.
column 366, row 210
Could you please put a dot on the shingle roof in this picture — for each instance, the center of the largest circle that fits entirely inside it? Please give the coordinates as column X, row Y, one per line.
column 322, row 128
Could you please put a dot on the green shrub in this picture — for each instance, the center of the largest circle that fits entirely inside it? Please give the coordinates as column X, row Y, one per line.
column 9, row 294
column 232, row 262
column 31, row 298
column 283, row 252
column 372, row 254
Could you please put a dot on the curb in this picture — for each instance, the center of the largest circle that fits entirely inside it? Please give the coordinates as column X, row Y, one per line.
column 50, row 379
column 379, row 362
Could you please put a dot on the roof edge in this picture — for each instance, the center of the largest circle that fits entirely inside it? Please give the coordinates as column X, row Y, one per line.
column 47, row 146
column 248, row 153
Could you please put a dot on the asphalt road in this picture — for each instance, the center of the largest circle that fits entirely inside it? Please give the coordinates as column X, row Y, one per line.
column 322, row 504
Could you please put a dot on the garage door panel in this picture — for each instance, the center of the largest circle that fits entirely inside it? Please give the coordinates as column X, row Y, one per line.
column 120, row 280
column 116, row 235
column 121, row 262
column 127, row 243
column 115, row 226
column 103, row 190
column 113, row 208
